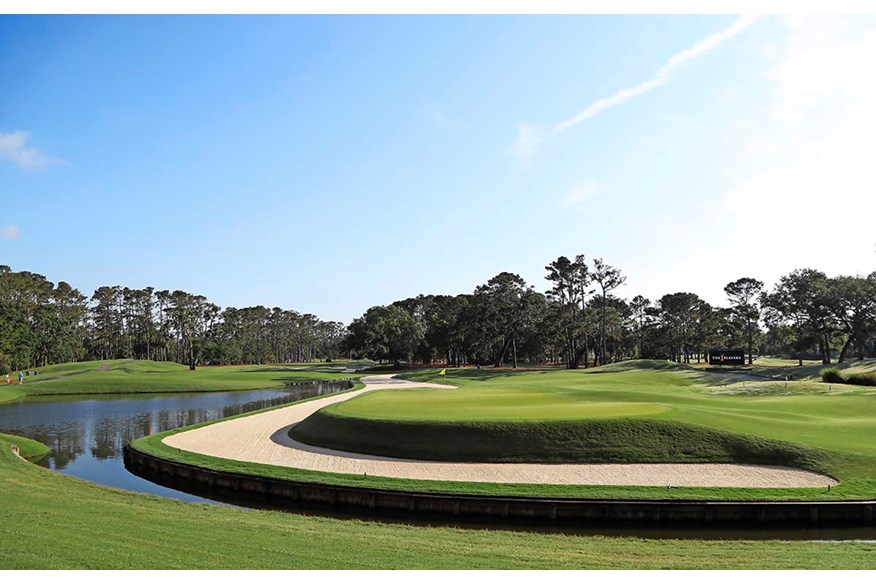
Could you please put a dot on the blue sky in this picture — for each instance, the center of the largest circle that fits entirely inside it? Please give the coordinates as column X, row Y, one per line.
column 328, row 164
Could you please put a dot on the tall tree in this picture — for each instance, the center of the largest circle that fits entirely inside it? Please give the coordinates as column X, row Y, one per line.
column 639, row 306
column 744, row 295
column 801, row 299
column 386, row 333
column 571, row 282
column 608, row 278
column 678, row 313
column 852, row 300
column 508, row 308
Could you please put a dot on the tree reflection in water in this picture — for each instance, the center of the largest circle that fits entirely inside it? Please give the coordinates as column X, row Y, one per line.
column 86, row 434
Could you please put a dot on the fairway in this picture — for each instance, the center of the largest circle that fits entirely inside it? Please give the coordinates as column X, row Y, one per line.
column 128, row 376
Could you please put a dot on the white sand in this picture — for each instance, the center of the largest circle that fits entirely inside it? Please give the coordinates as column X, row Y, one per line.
column 264, row 438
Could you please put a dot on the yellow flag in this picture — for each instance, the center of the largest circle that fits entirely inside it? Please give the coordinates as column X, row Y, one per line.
column 443, row 372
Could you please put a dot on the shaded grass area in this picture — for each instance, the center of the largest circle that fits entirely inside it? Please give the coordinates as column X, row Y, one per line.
column 129, row 376
column 52, row 521
column 833, row 375
column 624, row 440
column 850, row 490
column 811, row 370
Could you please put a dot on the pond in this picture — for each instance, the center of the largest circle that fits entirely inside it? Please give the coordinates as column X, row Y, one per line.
column 86, row 433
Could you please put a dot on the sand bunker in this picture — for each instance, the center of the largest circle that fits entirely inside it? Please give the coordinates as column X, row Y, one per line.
column 263, row 438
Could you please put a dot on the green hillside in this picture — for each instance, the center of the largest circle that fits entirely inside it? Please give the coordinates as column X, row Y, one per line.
column 130, row 376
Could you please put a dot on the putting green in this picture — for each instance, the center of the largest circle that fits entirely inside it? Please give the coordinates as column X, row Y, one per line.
column 634, row 414
column 497, row 404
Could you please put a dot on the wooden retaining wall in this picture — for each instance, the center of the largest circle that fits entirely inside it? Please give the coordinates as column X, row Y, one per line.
column 581, row 512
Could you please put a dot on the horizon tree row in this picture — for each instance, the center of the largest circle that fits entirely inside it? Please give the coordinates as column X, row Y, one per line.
column 42, row 324
column 580, row 320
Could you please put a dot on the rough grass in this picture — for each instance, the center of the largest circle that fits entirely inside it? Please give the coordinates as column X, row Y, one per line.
column 833, row 375
column 867, row 379
column 52, row 521
column 811, row 370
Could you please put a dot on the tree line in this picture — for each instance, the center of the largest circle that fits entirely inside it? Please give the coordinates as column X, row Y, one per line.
column 582, row 321
column 42, row 323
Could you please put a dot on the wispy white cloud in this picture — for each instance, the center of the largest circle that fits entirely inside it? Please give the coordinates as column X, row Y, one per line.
column 525, row 146
column 581, row 194
column 10, row 233
column 529, row 138
column 600, row 105
column 818, row 129
column 14, row 148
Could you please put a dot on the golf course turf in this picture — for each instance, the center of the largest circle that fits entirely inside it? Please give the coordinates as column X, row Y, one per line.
column 55, row 521
column 633, row 412
column 126, row 376
column 831, row 433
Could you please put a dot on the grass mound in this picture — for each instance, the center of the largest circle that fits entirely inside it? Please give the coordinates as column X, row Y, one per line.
column 868, row 379
column 620, row 440
column 833, row 375
column 27, row 449
column 132, row 376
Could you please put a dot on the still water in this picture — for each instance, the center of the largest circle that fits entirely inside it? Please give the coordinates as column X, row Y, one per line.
column 86, row 434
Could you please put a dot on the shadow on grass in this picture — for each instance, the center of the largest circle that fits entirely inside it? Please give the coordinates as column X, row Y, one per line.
column 639, row 365
column 483, row 374
column 293, row 369
column 714, row 378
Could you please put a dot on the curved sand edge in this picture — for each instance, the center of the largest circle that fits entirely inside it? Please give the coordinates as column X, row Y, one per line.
column 263, row 438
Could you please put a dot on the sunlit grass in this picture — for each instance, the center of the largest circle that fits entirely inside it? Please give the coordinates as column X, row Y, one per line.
column 130, row 376
column 52, row 521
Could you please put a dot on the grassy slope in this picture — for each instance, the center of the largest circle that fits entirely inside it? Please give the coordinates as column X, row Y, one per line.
column 27, row 448
column 843, row 424
column 836, row 421
column 810, row 369
column 55, row 521
column 855, row 470
column 624, row 440
column 153, row 445
column 128, row 376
